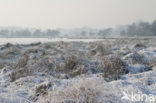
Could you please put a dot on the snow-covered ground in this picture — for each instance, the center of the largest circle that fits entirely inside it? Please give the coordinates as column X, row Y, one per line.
column 79, row 71
column 43, row 40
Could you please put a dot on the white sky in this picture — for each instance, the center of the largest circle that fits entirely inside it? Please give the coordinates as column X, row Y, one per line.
column 75, row 13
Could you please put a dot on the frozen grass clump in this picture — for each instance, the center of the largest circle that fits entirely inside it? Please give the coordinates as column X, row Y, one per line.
column 68, row 66
column 138, row 68
column 136, row 58
column 72, row 66
column 113, row 67
column 100, row 50
column 19, row 69
column 35, row 44
column 139, row 46
column 2, row 64
column 47, row 45
column 153, row 63
column 123, row 51
column 10, row 52
column 6, row 46
column 70, row 63
column 31, row 50
column 84, row 91
column 17, row 74
column 22, row 61
column 41, row 90
column 47, row 63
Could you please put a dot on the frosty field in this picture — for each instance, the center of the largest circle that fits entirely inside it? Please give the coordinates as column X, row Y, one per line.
column 119, row 70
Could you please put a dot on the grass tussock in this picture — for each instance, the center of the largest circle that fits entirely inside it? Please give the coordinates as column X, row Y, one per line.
column 42, row 89
column 100, row 50
column 22, row 61
column 6, row 46
column 47, row 45
column 63, row 67
column 70, row 63
column 113, row 67
column 10, row 52
column 31, row 50
column 139, row 45
column 2, row 64
column 72, row 66
column 20, row 70
column 47, row 62
column 85, row 91
column 17, row 74
column 136, row 58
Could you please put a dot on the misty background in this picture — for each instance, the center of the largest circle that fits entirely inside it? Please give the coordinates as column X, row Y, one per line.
column 77, row 18
column 132, row 30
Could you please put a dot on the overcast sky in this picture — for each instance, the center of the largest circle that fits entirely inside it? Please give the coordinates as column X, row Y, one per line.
column 75, row 13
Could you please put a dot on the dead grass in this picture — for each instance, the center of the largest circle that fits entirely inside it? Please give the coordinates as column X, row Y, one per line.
column 112, row 68
column 69, row 66
column 47, row 45
column 85, row 91
column 153, row 63
column 136, row 58
column 22, row 61
column 31, row 50
column 100, row 50
column 139, row 45
column 2, row 64
column 70, row 63
column 10, row 52
column 19, row 73
column 47, row 63
column 19, row 69
column 72, row 66
column 42, row 89
column 6, row 46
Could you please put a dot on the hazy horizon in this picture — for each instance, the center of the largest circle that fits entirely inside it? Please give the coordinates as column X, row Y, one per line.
column 75, row 13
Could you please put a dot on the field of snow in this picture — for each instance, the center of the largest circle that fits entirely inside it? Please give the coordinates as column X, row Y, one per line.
column 78, row 71
column 43, row 40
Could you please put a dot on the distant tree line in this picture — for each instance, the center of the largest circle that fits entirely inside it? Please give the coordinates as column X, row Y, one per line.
column 134, row 29
column 139, row 29
column 26, row 33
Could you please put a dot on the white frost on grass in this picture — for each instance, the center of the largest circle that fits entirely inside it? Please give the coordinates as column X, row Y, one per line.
column 41, row 77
